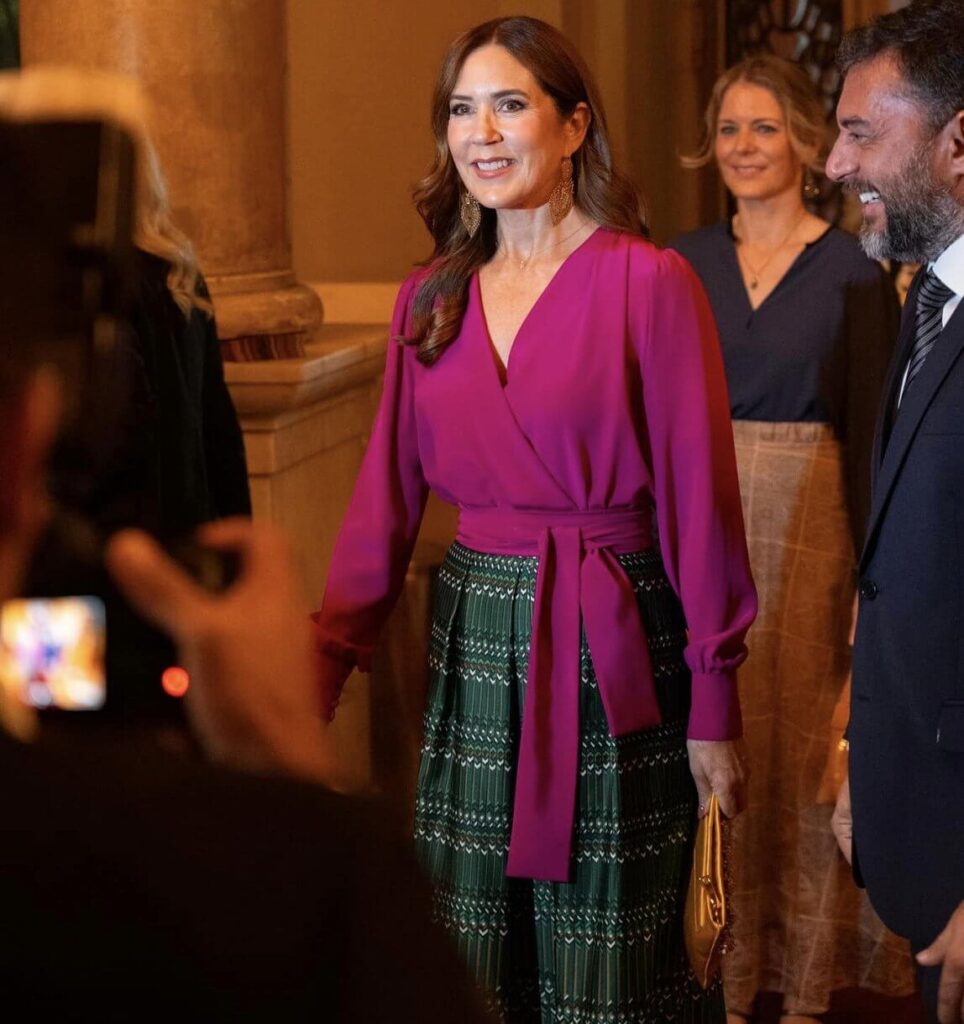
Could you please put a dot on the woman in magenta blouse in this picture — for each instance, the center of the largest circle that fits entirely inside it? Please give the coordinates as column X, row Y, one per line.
column 559, row 379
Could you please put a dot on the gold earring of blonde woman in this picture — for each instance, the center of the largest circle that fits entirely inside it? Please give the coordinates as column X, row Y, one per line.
column 811, row 190
column 471, row 213
column 560, row 199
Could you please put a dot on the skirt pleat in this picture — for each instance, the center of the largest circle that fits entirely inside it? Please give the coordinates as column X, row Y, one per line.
column 605, row 948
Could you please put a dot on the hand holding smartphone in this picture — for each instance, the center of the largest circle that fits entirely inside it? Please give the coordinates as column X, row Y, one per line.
column 254, row 701
column 56, row 651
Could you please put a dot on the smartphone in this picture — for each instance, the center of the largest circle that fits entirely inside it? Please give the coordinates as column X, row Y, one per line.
column 52, row 652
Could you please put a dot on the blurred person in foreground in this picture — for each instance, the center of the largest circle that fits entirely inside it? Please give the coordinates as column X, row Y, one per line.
column 901, row 815
column 168, row 454
column 558, row 377
column 137, row 885
column 807, row 323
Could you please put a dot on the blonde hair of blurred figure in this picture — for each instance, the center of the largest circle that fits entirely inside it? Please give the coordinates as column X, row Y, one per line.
column 50, row 92
column 793, row 90
column 157, row 234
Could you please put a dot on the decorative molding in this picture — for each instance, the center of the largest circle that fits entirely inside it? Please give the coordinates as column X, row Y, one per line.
column 806, row 31
column 340, row 357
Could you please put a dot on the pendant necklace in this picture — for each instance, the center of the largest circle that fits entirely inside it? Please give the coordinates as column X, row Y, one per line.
column 755, row 272
column 526, row 260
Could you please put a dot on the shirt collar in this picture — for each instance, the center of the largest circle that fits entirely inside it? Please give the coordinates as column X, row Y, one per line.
column 949, row 266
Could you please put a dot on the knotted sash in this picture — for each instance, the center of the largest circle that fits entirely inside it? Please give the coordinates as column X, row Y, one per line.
column 579, row 582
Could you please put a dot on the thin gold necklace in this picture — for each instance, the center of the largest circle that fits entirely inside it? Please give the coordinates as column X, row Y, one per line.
column 755, row 272
column 526, row 260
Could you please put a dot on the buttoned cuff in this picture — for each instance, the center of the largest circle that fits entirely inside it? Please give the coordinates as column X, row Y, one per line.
column 715, row 708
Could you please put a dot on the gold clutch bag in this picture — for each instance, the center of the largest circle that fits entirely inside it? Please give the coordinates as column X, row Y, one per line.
column 706, row 917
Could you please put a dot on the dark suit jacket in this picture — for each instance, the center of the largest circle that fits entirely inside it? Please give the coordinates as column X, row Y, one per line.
column 907, row 714
column 139, row 886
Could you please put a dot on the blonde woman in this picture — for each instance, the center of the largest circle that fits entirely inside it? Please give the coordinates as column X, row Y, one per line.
column 807, row 324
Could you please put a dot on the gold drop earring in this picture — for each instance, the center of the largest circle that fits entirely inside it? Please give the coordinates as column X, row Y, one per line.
column 471, row 213
column 560, row 199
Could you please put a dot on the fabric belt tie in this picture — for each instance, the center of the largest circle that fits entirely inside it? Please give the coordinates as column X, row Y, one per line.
column 577, row 573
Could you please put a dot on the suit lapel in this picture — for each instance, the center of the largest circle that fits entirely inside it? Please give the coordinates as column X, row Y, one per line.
column 905, row 342
column 916, row 402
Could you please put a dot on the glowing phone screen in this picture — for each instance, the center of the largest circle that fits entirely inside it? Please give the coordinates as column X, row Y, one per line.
column 52, row 652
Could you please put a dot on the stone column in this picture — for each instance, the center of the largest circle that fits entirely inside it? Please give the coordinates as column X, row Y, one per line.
column 214, row 72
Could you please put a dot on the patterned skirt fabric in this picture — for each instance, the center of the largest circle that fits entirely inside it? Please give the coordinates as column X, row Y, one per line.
column 801, row 927
column 606, row 948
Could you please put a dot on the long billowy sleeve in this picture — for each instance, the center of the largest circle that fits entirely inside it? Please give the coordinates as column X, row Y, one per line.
column 696, row 489
column 375, row 543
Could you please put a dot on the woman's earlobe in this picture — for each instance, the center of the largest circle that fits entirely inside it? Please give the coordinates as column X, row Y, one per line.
column 578, row 125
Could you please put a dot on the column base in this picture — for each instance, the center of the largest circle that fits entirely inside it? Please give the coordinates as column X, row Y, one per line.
column 267, row 316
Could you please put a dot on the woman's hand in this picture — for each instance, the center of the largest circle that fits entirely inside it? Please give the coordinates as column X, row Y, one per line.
column 719, row 766
column 842, row 822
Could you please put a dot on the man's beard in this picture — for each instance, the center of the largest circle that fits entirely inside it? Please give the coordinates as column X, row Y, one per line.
column 922, row 217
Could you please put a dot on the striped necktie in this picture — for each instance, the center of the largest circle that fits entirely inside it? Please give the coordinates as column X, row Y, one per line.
column 931, row 297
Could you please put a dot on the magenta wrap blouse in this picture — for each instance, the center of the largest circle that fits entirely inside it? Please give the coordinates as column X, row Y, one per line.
column 613, row 402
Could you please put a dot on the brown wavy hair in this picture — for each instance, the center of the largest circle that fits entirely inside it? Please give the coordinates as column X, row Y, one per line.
column 601, row 191
column 793, row 90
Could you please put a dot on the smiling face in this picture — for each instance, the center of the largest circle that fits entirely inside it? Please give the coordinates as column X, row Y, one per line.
column 886, row 155
column 505, row 134
column 752, row 145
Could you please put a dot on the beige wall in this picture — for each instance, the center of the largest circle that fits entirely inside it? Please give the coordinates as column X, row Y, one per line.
column 360, row 81
column 672, row 54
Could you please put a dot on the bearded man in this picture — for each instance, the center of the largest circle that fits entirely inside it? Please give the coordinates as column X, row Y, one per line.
column 901, row 149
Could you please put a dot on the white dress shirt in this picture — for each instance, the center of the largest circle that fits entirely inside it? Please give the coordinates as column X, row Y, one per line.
column 949, row 267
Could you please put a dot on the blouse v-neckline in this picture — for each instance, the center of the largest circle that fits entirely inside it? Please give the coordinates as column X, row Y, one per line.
column 502, row 367
column 748, row 301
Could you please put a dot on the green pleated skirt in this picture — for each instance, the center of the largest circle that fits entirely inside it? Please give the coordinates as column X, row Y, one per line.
column 606, row 948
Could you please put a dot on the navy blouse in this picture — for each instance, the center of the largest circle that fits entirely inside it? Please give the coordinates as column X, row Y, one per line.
column 816, row 349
